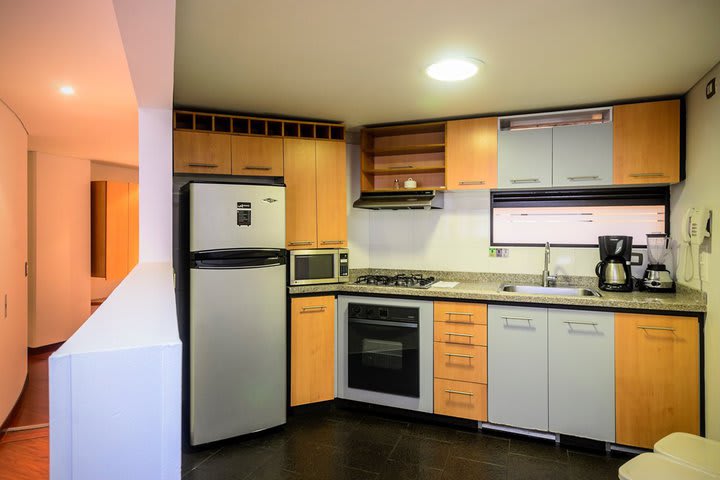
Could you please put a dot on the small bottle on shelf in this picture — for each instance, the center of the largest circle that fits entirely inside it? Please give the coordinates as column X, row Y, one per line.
column 396, row 184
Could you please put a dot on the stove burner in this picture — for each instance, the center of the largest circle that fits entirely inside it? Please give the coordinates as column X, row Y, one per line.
column 414, row 280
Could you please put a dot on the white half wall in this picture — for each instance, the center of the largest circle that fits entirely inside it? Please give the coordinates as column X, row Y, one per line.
column 13, row 245
column 700, row 189
column 59, row 247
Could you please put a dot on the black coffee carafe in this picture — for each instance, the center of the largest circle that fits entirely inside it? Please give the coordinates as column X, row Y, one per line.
column 613, row 271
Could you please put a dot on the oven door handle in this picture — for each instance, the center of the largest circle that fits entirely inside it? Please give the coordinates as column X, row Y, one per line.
column 383, row 323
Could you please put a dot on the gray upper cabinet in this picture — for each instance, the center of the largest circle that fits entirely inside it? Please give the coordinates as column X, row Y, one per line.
column 518, row 367
column 582, row 155
column 525, row 158
column 581, row 378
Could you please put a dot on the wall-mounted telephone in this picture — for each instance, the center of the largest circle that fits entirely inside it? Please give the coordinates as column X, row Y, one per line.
column 694, row 232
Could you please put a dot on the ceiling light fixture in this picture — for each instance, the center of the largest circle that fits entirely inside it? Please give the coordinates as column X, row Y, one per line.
column 67, row 90
column 453, row 69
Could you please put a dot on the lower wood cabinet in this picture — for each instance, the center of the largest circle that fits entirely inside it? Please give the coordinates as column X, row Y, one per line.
column 312, row 350
column 460, row 360
column 657, row 376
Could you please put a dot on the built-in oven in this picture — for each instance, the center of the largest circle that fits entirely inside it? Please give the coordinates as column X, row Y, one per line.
column 383, row 349
column 385, row 354
column 325, row 265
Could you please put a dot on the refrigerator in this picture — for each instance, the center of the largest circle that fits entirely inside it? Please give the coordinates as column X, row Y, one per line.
column 237, row 309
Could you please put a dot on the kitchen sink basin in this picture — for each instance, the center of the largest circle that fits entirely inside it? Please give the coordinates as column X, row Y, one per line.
column 540, row 290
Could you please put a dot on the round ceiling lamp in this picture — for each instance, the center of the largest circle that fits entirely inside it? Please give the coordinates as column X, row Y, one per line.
column 453, row 69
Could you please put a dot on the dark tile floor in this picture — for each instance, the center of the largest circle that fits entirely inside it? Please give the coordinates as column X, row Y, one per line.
column 351, row 444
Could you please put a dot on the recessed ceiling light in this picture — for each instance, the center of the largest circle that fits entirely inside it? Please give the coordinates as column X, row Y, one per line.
column 67, row 90
column 453, row 69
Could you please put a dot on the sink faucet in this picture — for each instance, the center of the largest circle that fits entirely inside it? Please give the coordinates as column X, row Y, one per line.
column 547, row 279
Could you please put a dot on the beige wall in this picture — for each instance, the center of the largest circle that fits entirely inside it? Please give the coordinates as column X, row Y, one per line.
column 59, row 247
column 701, row 190
column 13, row 245
column 101, row 287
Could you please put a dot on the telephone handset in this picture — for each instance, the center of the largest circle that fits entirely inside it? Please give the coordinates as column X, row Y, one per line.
column 695, row 223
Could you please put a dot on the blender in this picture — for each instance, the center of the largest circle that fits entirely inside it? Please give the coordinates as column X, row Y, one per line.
column 657, row 277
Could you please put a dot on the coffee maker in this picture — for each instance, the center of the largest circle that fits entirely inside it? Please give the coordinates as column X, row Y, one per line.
column 657, row 277
column 613, row 271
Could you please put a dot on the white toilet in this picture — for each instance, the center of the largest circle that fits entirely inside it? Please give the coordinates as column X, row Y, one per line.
column 698, row 452
column 655, row 466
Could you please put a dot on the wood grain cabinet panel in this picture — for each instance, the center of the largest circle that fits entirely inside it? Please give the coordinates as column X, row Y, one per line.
column 257, row 156
column 460, row 312
column 461, row 334
column 331, row 194
column 199, row 152
column 113, row 229
column 300, row 194
column 646, row 143
column 657, row 377
column 312, row 350
column 460, row 399
column 471, row 154
column 467, row 363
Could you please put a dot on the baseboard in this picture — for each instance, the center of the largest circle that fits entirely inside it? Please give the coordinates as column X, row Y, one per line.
column 45, row 348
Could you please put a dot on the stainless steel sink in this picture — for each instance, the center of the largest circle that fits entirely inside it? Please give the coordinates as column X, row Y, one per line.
column 540, row 290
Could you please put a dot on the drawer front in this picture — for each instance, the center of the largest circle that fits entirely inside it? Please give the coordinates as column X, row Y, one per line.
column 467, row 363
column 471, row 334
column 458, row 312
column 461, row 399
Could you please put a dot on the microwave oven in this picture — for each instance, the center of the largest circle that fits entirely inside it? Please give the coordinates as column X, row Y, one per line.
column 327, row 265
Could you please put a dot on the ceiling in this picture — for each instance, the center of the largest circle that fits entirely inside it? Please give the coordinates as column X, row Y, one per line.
column 362, row 62
column 49, row 43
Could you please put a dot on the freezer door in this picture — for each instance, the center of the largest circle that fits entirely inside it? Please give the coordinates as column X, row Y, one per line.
column 237, row 352
column 226, row 216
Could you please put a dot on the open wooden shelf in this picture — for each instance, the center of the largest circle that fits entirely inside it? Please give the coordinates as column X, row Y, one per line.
column 419, row 189
column 408, row 150
column 404, row 171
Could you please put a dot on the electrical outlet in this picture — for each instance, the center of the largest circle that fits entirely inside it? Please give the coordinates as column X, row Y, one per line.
column 710, row 88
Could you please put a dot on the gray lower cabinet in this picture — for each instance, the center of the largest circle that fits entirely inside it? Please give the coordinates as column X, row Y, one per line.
column 582, row 155
column 525, row 158
column 518, row 366
column 581, row 380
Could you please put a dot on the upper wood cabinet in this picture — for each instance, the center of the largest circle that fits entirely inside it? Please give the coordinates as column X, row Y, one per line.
column 315, row 194
column 312, row 350
column 657, row 377
column 646, row 143
column 257, row 156
column 114, row 229
column 330, row 180
column 471, row 154
column 199, row 152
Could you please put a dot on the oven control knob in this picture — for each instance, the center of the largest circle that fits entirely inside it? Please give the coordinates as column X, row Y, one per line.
column 383, row 312
column 355, row 310
column 371, row 312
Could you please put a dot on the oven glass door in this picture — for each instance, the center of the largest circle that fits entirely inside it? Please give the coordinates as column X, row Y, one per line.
column 383, row 356
column 311, row 267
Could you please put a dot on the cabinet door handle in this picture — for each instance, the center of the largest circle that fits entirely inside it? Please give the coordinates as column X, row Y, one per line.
column 461, row 355
column 649, row 327
column 594, row 324
column 585, row 178
column 398, row 167
column 471, row 182
column 300, row 243
column 518, row 318
column 332, row 242
column 468, row 335
column 313, row 308
column 257, row 167
column 205, row 165
column 467, row 314
column 459, row 392
column 648, row 175
column 525, row 180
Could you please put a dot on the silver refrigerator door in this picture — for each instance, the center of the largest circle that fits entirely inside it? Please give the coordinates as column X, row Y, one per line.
column 237, row 351
column 227, row 216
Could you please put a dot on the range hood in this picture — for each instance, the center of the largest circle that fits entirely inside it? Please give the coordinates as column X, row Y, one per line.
column 400, row 200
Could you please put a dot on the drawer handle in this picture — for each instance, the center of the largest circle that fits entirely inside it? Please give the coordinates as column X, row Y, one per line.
column 471, row 182
column 459, row 392
column 585, row 178
column 461, row 355
column 257, row 167
column 648, row 327
column 648, row 175
column 300, row 243
column 459, row 334
column 467, row 314
column 525, row 180
column 594, row 324
column 518, row 318
column 398, row 167
column 313, row 308
column 332, row 242
column 205, row 165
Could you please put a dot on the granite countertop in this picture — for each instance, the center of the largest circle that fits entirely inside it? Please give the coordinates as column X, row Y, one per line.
column 485, row 287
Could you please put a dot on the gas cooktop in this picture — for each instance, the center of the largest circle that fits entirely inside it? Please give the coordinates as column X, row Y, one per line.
column 414, row 280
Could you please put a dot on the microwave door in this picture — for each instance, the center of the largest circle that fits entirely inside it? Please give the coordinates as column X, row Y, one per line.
column 313, row 267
